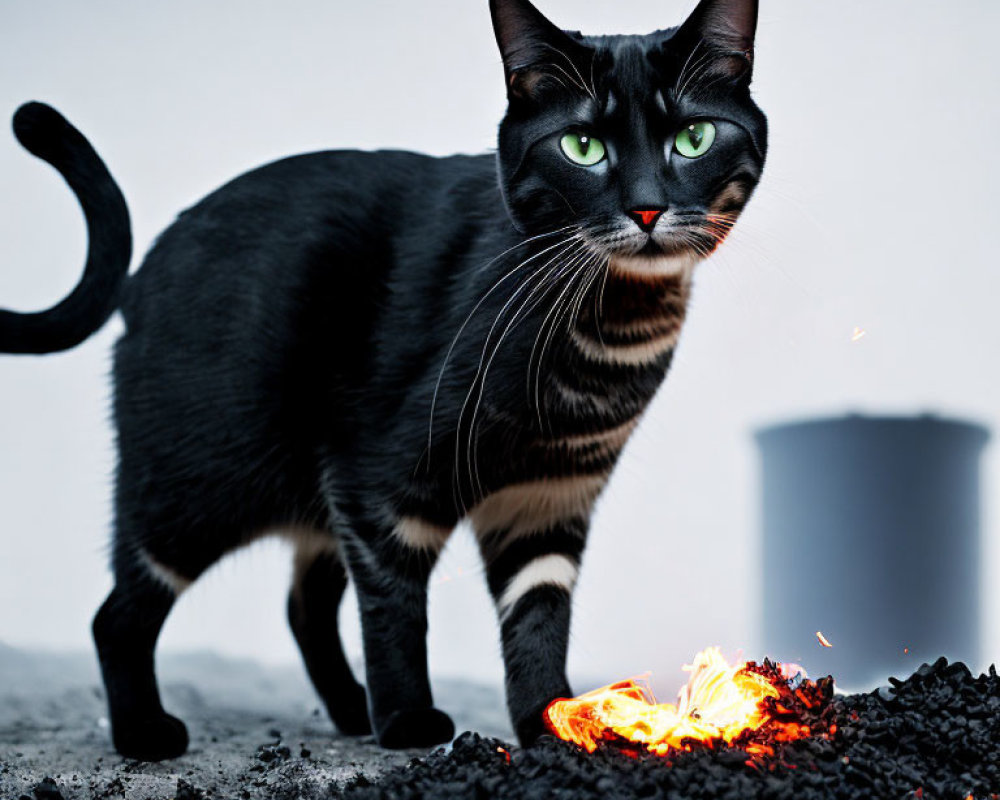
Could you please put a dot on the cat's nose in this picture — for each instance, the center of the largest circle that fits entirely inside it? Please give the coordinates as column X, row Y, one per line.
column 645, row 218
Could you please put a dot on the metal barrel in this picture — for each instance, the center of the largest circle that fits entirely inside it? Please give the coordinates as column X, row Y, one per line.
column 871, row 535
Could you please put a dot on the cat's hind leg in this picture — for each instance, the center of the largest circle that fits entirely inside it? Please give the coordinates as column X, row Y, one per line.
column 318, row 584
column 390, row 566
column 125, row 631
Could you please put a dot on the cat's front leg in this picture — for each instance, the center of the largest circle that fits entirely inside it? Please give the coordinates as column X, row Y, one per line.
column 390, row 566
column 531, row 568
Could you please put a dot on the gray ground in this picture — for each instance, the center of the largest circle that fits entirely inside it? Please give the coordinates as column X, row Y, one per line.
column 239, row 714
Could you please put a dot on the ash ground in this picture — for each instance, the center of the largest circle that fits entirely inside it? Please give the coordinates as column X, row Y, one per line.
column 257, row 733
column 241, row 717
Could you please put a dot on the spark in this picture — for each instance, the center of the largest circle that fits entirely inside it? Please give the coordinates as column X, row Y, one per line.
column 822, row 639
column 858, row 334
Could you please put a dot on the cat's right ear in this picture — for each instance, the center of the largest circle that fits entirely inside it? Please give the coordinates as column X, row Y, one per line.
column 533, row 48
column 726, row 29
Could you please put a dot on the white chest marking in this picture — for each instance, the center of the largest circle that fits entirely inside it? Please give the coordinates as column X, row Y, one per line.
column 651, row 268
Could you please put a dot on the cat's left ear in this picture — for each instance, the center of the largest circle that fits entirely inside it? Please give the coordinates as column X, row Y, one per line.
column 533, row 48
column 726, row 28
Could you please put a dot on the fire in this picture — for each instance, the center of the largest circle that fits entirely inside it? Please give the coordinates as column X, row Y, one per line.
column 720, row 703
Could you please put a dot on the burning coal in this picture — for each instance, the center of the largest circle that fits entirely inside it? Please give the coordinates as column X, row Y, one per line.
column 934, row 735
column 745, row 705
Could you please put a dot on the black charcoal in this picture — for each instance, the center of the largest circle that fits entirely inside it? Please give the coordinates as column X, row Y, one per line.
column 935, row 735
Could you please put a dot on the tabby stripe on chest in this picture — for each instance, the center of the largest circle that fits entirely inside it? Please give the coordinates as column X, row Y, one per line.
column 639, row 315
column 636, row 353
column 599, row 443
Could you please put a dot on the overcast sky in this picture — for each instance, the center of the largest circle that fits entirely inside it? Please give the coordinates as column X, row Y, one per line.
column 876, row 210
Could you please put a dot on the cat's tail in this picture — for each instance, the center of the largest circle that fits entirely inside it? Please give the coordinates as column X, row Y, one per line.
column 44, row 132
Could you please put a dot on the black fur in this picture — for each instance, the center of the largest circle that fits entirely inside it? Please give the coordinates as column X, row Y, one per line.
column 360, row 349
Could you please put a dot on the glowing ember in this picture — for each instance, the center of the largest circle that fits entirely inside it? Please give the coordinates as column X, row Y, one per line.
column 822, row 639
column 724, row 703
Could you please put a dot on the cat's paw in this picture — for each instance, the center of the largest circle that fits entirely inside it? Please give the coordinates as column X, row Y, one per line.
column 152, row 738
column 531, row 727
column 350, row 713
column 420, row 727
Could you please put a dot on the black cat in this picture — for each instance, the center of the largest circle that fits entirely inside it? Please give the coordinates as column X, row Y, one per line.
column 358, row 350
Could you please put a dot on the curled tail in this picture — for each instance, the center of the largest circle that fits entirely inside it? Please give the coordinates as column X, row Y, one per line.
column 44, row 132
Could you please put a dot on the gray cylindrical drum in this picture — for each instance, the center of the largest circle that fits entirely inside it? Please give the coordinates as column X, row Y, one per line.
column 871, row 536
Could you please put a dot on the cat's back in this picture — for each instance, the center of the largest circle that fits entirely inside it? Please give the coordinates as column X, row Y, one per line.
column 288, row 266
column 276, row 213
column 330, row 189
column 296, row 225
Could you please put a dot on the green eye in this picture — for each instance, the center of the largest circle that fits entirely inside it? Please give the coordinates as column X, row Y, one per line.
column 695, row 140
column 582, row 149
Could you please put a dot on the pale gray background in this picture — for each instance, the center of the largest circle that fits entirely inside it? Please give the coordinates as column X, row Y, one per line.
column 877, row 210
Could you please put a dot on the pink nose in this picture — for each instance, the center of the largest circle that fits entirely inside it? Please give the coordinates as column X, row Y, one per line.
column 645, row 218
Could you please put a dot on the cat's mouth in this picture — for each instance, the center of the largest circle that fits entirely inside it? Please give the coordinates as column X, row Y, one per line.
column 664, row 247
column 651, row 248
column 698, row 240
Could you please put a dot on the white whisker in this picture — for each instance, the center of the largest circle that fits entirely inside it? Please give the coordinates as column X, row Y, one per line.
column 571, row 311
column 547, row 333
column 582, row 83
column 479, row 376
column 461, row 329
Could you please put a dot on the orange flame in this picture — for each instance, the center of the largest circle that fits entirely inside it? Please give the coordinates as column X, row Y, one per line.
column 720, row 702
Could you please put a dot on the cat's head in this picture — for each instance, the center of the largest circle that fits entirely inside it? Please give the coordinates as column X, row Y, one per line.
column 648, row 146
